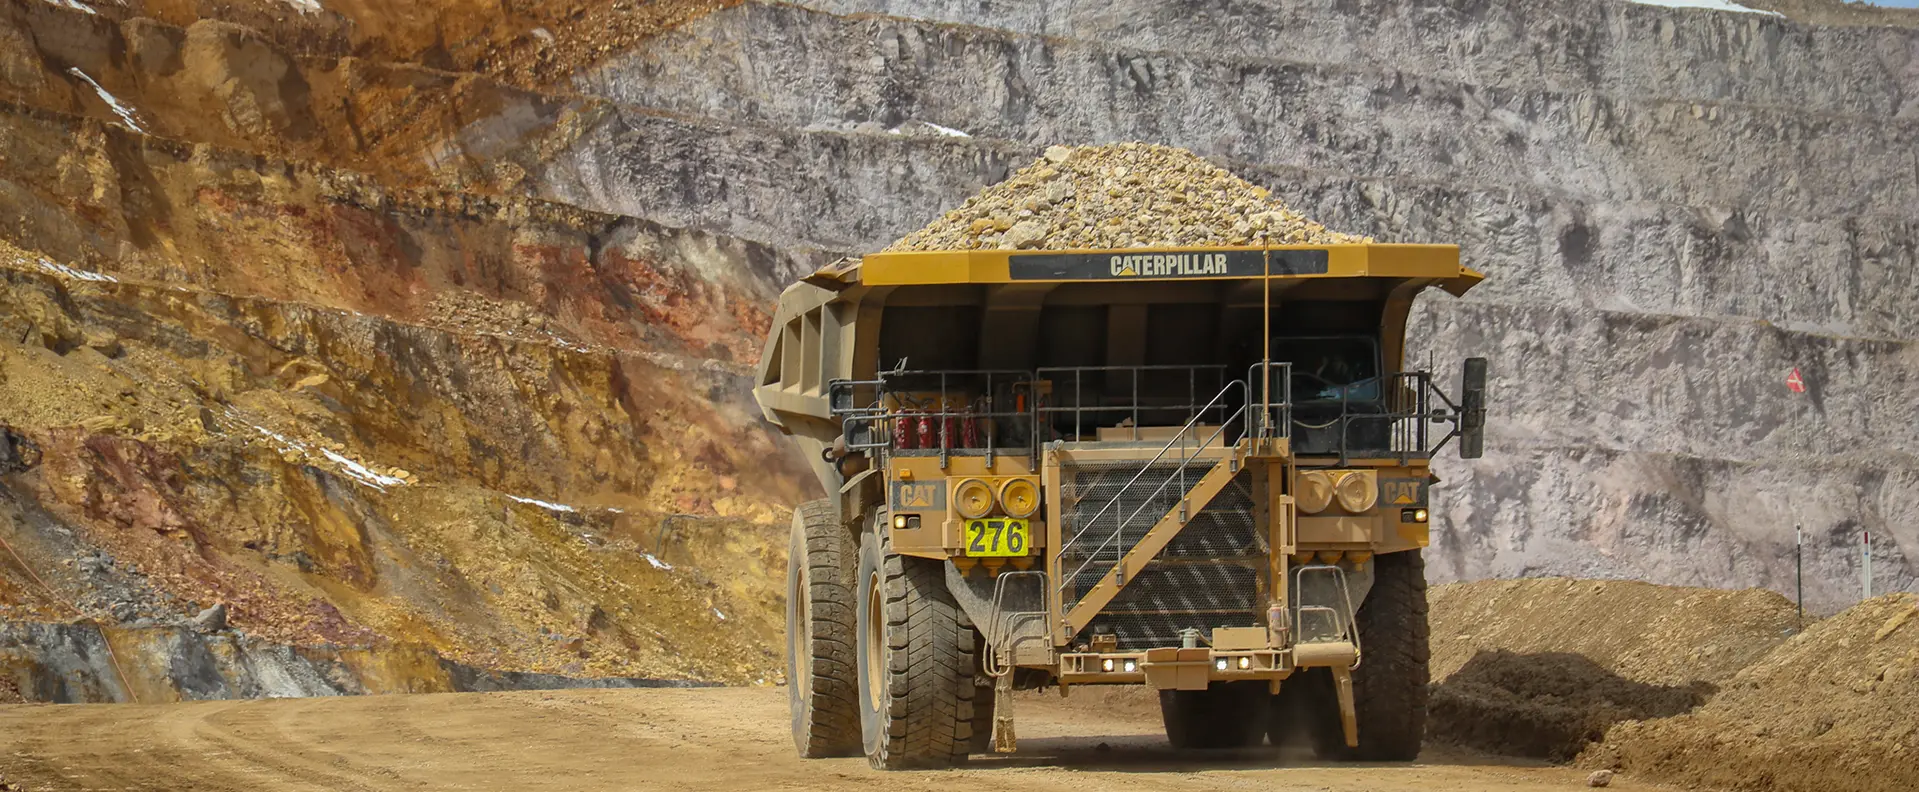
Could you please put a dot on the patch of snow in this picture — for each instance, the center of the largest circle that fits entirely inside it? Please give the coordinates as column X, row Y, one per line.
column 716, row 612
column 76, row 274
column 1710, row 5
column 565, row 343
column 917, row 127
column 558, row 507
column 306, row 6
column 75, row 5
column 657, row 563
column 543, row 34
column 124, row 112
column 362, row 472
column 947, row 131
column 350, row 467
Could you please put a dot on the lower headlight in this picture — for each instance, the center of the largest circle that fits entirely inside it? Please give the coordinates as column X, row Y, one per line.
column 1106, row 665
column 1357, row 491
column 1019, row 497
column 1221, row 664
column 1131, row 666
column 973, row 499
column 1315, row 492
column 1245, row 663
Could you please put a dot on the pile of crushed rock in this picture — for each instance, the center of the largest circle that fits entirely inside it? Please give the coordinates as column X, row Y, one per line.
column 1124, row 195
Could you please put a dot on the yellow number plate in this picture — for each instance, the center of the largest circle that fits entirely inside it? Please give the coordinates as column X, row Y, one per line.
column 997, row 536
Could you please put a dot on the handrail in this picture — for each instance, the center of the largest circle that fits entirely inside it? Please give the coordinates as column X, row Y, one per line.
column 1135, row 405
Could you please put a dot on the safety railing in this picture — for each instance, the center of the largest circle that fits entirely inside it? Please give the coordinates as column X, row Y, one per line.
column 992, row 412
column 1273, row 417
column 1323, row 613
column 1084, row 392
column 914, row 413
column 1381, row 417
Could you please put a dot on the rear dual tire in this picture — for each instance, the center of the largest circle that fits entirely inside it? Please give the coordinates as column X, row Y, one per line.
column 822, row 679
column 1224, row 715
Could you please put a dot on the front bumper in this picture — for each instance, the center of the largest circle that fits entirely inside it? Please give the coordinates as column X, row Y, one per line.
column 1173, row 668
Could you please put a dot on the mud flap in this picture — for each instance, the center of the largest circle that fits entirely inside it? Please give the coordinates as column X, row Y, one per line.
column 1004, row 741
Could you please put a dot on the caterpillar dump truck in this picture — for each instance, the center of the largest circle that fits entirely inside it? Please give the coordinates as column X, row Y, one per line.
column 1205, row 471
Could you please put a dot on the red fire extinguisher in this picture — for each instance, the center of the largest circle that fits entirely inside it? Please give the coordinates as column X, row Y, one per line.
column 929, row 438
column 905, row 431
column 950, row 428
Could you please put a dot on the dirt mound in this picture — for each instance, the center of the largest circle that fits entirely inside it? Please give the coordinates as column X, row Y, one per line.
column 1542, row 668
column 1839, row 701
column 1120, row 196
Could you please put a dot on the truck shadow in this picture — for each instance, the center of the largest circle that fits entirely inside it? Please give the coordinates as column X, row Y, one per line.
column 1500, row 708
column 1547, row 705
column 1139, row 753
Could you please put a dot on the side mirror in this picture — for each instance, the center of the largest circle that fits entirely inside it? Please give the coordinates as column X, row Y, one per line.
column 1472, row 409
column 856, row 430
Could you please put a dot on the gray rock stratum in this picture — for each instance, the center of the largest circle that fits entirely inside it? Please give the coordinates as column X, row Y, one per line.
column 1676, row 207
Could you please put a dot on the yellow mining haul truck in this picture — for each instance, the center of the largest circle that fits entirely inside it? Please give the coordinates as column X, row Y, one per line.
column 1200, row 470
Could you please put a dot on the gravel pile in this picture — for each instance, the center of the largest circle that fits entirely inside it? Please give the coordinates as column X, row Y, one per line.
column 1125, row 195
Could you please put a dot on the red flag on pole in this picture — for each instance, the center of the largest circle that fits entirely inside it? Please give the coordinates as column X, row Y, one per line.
column 1794, row 382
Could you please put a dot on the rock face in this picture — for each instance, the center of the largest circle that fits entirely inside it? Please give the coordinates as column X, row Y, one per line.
column 356, row 411
column 1675, row 207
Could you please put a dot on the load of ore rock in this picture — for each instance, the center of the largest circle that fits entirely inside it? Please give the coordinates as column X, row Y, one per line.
column 1125, row 195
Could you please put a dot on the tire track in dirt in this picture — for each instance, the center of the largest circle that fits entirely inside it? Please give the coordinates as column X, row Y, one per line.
column 605, row 740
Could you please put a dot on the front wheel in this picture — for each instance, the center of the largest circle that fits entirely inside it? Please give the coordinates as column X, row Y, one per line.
column 1389, row 687
column 916, row 663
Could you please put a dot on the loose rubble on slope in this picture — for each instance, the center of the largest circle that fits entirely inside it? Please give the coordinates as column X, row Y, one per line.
column 1543, row 667
column 1125, row 195
column 1836, row 702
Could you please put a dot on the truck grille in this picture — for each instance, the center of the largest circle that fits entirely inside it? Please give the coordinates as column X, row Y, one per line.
column 1210, row 576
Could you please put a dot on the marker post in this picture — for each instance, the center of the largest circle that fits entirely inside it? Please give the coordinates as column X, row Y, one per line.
column 1799, row 573
column 1865, row 569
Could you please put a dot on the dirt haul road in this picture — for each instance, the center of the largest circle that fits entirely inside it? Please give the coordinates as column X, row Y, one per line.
column 714, row 739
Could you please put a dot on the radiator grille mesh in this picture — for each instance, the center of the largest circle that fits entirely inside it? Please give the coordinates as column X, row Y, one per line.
column 1208, row 577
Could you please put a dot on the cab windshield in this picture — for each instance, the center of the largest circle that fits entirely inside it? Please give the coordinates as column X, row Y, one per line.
column 1331, row 368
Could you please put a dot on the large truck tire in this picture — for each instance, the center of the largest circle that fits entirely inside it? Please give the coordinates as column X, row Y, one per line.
column 1389, row 687
column 822, row 676
column 1224, row 715
column 916, row 663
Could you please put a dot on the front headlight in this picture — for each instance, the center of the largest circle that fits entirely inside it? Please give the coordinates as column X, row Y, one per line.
column 1019, row 497
column 1356, row 491
column 973, row 499
column 1315, row 492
